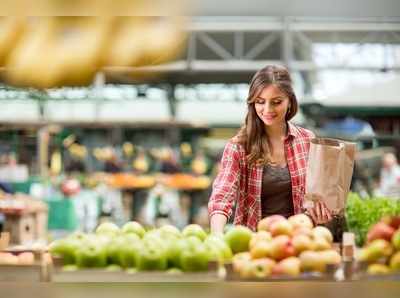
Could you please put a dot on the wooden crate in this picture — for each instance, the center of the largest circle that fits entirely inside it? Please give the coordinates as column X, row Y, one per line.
column 22, row 228
column 37, row 272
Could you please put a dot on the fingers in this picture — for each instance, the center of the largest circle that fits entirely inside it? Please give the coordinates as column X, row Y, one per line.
column 313, row 215
column 319, row 211
column 323, row 215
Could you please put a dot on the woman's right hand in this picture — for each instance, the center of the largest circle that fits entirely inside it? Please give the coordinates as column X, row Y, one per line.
column 320, row 213
column 217, row 224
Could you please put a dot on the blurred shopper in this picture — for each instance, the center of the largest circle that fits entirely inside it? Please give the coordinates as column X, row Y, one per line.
column 141, row 166
column 113, row 164
column 390, row 176
column 169, row 162
column 263, row 167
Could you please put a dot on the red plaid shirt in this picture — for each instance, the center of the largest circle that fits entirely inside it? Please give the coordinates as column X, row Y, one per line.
column 241, row 183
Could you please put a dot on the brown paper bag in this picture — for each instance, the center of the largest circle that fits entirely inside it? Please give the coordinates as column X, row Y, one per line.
column 329, row 172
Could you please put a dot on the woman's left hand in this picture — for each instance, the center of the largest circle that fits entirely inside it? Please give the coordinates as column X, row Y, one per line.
column 320, row 214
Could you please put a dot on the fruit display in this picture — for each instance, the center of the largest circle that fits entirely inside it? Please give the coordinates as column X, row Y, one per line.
column 132, row 249
column 186, row 181
column 362, row 213
column 127, row 180
column 381, row 253
column 282, row 248
column 24, row 265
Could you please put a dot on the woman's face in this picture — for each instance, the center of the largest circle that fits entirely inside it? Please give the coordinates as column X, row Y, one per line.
column 271, row 106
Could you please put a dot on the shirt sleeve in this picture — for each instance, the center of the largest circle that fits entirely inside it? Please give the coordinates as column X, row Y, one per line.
column 225, row 186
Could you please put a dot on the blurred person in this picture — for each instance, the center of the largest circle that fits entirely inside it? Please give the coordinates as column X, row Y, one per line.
column 113, row 164
column 200, row 166
column 186, row 156
column 169, row 162
column 141, row 163
column 263, row 167
column 141, row 166
column 75, row 165
column 390, row 176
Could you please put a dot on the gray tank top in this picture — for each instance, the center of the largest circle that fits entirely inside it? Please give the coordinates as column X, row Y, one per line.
column 276, row 193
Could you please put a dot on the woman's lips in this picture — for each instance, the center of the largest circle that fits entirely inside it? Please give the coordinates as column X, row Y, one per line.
column 269, row 117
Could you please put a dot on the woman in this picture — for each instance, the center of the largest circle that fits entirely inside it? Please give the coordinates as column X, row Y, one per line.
column 263, row 168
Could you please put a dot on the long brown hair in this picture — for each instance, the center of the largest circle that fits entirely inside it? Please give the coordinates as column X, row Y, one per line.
column 252, row 135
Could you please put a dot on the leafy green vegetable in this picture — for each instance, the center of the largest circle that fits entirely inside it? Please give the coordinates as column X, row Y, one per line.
column 361, row 213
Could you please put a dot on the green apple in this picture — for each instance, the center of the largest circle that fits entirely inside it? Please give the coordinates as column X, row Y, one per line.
column 238, row 238
column 169, row 231
column 70, row 268
column 78, row 236
column 65, row 248
column 91, row 254
column 194, row 230
column 152, row 256
column 174, row 271
column 129, row 251
column 107, row 228
column 114, row 249
column 196, row 256
column 133, row 227
column 221, row 245
column 113, row 268
column 174, row 251
column 131, row 271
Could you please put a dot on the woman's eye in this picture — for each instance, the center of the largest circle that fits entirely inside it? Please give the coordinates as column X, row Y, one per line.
column 277, row 102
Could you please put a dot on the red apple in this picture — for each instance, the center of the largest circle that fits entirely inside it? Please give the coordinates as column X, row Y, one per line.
column 261, row 268
column 300, row 220
column 262, row 249
column 320, row 243
column 281, row 227
column 393, row 221
column 282, row 248
column 289, row 266
column 320, row 231
column 312, row 261
column 330, row 257
column 380, row 230
column 264, row 224
column 259, row 236
column 301, row 243
column 303, row 231
column 240, row 260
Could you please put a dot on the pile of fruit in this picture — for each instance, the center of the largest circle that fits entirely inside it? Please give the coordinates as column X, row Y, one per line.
column 382, row 251
column 281, row 247
column 133, row 249
column 24, row 258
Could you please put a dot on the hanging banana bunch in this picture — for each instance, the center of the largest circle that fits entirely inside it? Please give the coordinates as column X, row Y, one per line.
column 11, row 30
column 56, row 162
column 68, row 51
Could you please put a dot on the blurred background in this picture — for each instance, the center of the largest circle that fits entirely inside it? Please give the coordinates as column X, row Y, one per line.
column 111, row 118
